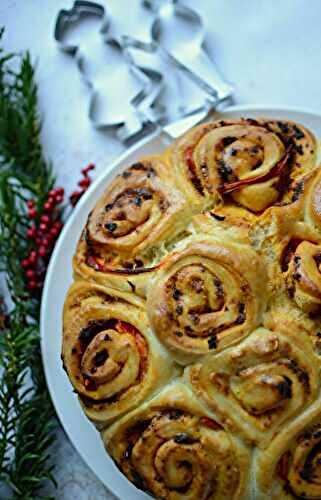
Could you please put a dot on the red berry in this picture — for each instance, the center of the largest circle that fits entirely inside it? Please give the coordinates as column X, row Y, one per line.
column 84, row 183
column 52, row 193
column 48, row 206
column 25, row 263
column 32, row 257
column 30, row 203
column 59, row 198
column 45, row 242
column 45, row 219
column 32, row 213
column 42, row 251
column 38, row 240
column 43, row 226
column 60, row 191
column 54, row 231
column 58, row 225
column 89, row 167
column 75, row 196
column 31, row 232
column 30, row 274
column 32, row 285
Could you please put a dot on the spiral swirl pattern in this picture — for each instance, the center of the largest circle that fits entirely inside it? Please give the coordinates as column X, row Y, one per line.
column 303, row 276
column 259, row 385
column 108, row 352
column 192, row 333
column 250, row 160
column 171, row 449
column 291, row 468
column 205, row 298
column 135, row 215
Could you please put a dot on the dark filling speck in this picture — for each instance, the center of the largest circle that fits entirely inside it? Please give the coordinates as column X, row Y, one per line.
column 217, row 217
column 93, row 328
column 179, row 310
column 176, row 294
column 100, row 357
column 224, row 171
column 184, row 438
column 297, row 191
column 298, row 134
column 285, row 388
column 111, row 226
column 212, row 342
column 241, row 316
column 144, row 193
column 284, row 127
column 137, row 201
column 226, row 141
column 175, row 414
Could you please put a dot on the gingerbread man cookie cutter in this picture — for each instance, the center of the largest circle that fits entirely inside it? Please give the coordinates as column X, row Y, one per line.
column 118, row 87
column 124, row 88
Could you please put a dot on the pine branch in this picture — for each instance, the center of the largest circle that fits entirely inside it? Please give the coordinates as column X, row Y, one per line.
column 26, row 413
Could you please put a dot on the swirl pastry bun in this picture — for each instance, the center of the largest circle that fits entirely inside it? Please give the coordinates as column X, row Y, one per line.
column 173, row 448
column 192, row 331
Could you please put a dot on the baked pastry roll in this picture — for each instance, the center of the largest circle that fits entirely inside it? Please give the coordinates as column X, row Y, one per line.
column 126, row 232
column 112, row 359
column 192, row 334
column 250, row 162
column 290, row 467
column 171, row 448
column 303, row 276
column 260, row 385
column 292, row 249
column 206, row 297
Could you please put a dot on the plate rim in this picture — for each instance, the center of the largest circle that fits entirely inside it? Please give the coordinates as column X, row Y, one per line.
column 119, row 490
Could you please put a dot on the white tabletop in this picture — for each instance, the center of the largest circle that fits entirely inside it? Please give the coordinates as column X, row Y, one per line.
column 270, row 51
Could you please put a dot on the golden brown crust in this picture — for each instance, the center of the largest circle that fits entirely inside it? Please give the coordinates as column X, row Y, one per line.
column 172, row 448
column 192, row 333
column 257, row 387
column 108, row 351
column 139, row 212
column 253, row 161
column 290, row 467
column 206, row 297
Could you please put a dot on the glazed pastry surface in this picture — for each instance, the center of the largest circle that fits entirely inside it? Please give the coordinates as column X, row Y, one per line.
column 192, row 332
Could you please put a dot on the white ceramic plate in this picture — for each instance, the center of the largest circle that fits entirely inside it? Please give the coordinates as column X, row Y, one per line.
column 80, row 431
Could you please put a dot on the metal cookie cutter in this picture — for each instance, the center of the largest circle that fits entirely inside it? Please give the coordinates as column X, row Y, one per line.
column 126, row 76
column 180, row 31
column 120, row 90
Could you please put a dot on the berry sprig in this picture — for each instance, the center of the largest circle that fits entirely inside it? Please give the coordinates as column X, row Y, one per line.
column 42, row 236
column 45, row 227
column 84, row 184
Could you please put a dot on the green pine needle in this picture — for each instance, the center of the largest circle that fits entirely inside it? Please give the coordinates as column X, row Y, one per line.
column 26, row 414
